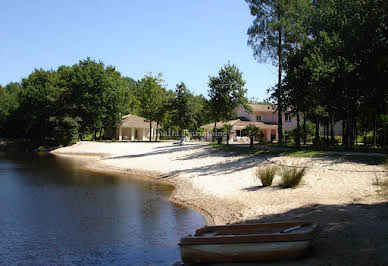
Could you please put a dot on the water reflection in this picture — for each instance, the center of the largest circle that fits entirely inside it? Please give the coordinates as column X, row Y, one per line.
column 51, row 211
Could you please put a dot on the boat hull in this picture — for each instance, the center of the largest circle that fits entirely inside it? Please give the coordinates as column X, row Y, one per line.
column 244, row 251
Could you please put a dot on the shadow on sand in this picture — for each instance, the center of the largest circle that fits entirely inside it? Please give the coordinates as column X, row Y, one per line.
column 351, row 234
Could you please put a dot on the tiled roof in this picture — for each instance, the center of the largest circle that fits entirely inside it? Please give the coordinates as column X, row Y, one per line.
column 263, row 107
column 135, row 121
column 239, row 124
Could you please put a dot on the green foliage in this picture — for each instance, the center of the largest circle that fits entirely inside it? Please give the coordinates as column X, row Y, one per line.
column 252, row 132
column 292, row 176
column 340, row 73
column 227, row 129
column 58, row 105
column 266, row 175
column 183, row 105
column 278, row 28
column 65, row 129
column 150, row 95
column 226, row 93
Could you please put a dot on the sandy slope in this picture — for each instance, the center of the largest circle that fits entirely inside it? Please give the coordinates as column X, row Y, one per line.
column 225, row 187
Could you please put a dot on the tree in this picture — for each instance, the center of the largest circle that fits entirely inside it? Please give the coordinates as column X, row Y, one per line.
column 149, row 94
column 228, row 129
column 252, row 132
column 38, row 103
column 115, row 101
column 278, row 28
column 226, row 93
column 200, row 111
column 182, row 105
column 162, row 113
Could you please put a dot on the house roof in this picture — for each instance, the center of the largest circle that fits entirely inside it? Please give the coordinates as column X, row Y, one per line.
column 262, row 107
column 134, row 121
column 238, row 124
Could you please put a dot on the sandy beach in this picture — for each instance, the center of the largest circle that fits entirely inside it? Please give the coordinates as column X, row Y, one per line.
column 335, row 191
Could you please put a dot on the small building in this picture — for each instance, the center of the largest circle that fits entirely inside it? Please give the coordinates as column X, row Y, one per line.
column 133, row 128
column 239, row 134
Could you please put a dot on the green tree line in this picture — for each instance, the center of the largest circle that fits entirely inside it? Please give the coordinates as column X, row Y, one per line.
column 332, row 60
column 83, row 100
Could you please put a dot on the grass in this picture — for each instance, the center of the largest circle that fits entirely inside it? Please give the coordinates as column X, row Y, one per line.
column 291, row 177
column 383, row 185
column 284, row 151
column 338, row 147
column 266, row 175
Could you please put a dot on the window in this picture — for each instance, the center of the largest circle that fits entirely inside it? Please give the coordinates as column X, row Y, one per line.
column 287, row 118
column 258, row 118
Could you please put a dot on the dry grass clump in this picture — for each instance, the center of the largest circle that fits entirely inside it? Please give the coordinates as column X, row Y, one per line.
column 383, row 185
column 266, row 175
column 292, row 176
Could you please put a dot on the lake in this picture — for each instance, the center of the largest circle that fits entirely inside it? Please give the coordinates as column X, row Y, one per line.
column 54, row 212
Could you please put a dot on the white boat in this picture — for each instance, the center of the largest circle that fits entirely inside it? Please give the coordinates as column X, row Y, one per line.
column 248, row 242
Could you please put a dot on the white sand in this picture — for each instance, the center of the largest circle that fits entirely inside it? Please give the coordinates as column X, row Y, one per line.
column 225, row 188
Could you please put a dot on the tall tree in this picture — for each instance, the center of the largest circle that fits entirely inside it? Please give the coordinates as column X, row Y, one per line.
column 149, row 94
column 38, row 102
column 226, row 93
column 278, row 27
column 182, row 106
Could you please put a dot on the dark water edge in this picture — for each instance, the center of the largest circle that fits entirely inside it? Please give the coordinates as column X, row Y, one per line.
column 53, row 212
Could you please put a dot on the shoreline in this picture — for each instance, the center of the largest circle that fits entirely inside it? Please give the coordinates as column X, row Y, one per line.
column 223, row 187
column 341, row 194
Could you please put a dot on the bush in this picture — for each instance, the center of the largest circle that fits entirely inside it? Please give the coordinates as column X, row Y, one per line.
column 291, row 177
column 266, row 175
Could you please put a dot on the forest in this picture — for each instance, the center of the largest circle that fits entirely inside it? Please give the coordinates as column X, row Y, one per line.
column 332, row 61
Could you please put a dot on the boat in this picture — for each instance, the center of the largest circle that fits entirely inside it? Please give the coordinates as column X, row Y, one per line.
column 249, row 242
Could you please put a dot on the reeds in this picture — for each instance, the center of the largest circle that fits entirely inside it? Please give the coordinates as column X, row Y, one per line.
column 292, row 176
column 267, row 174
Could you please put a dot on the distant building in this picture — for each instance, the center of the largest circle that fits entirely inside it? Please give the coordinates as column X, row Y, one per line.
column 263, row 116
column 133, row 127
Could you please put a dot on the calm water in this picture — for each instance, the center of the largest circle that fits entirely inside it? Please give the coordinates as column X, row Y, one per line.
column 53, row 212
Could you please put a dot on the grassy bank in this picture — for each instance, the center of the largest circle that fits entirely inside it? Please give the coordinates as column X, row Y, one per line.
column 367, row 157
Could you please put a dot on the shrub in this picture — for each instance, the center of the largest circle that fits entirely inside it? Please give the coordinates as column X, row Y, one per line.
column 266, row 175
column 292, row 176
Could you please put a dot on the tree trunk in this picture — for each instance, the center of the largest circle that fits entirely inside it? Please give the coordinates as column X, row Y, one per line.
column 95, row 134
column 317, row 140
column 348, row 127
column 227, row 138
column 279, row 93
column 100, row 133
column 374, row 132
column 214, row 130
column 297, row 130
column 343, row 132
column 324, row 131
column 251, row 142
column 150, row 130
column 157, row 131
column 304, row 130
column 332, row 130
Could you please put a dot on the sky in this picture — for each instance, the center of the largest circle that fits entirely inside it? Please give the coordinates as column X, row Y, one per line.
column 186, row 40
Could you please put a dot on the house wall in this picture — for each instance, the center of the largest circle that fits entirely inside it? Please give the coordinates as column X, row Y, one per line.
column 337, row 127
column 268, row 117
column 134, row 134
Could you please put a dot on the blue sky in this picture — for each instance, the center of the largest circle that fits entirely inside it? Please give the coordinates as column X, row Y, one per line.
column 186, row 40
